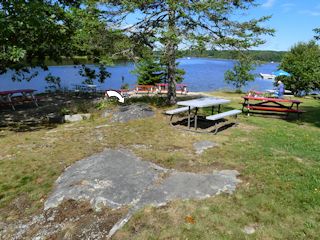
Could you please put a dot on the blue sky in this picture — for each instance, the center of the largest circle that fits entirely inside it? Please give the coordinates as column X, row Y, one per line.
column 293, row 21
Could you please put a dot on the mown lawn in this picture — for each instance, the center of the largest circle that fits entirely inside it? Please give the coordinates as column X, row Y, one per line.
column 278, row 159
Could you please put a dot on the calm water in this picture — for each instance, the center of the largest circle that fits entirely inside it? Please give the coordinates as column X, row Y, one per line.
column 202, row 74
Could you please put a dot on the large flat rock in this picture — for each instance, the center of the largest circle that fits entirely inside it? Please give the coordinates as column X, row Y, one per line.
column 112, row 178
column 115, row 178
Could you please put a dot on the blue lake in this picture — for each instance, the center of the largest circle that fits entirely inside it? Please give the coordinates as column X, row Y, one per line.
column 202, row 74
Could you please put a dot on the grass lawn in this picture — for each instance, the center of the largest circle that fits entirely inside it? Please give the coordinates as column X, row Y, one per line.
column 279, row 162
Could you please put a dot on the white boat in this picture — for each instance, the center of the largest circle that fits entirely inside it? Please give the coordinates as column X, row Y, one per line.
column 267, row 76
column 286, row 92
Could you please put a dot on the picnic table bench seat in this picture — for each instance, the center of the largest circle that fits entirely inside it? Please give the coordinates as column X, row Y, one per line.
column 218, row 116
column 178, row 110
column 274, row 109
column 219, row 119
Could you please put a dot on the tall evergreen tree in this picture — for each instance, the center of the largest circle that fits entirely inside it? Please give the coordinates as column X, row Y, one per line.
column 203, row 23
column 149, row 71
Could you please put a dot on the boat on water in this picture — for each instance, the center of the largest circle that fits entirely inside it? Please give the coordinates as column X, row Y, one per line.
column 267, row 76
column 286, row 92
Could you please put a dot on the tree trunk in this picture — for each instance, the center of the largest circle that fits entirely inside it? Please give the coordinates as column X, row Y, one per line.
column 171, row 58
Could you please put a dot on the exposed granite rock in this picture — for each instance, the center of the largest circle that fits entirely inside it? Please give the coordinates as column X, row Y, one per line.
column 132, row 112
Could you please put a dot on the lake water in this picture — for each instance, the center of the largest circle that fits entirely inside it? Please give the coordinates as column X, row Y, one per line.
column 202, row 74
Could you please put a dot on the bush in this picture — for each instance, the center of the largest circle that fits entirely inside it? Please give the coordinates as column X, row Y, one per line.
column 303, row 63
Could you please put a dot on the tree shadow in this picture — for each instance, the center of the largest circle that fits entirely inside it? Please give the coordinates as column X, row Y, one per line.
column 49, row 114
column 27, row 118
column 311, row 115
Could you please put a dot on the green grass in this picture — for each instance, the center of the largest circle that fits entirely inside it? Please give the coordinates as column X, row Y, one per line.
column 278, row 159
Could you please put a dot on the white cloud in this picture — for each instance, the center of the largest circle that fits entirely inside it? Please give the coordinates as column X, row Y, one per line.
column 269, row 3
column 315, row 13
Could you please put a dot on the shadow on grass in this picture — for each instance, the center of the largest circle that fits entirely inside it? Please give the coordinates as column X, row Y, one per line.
column 203, row 125
column 311, row 116
column 22, row 122
column 48, row 115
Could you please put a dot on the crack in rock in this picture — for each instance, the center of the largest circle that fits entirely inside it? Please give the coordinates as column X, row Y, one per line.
column 116, row 178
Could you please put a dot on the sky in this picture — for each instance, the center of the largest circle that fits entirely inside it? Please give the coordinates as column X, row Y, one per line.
column 293, row 21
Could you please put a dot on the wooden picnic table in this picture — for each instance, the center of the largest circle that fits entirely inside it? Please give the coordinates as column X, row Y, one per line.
column 201, row 103
column 252, row 103
column 162, row 88
column 12, row 97
column 145, row 89
column 85, row 88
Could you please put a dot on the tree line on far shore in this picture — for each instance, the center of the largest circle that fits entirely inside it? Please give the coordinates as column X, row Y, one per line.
column 256, row 55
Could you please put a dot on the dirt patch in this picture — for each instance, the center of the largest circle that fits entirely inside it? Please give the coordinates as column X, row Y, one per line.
column 71, row 220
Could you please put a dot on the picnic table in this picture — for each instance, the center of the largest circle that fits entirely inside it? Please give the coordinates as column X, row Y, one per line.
column 84, row 88
column 145, row 89
column 201, row 103
column 12, row 97
column 252, row 103
column 162, row 88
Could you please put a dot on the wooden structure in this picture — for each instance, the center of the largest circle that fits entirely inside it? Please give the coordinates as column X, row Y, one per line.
column 271, row 104
column 14, row 97
column 162, row 88
column 146, row 89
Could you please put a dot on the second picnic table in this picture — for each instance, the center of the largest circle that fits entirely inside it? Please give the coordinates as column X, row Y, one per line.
column 201, row 103
column 271, row 104
column 17, row 96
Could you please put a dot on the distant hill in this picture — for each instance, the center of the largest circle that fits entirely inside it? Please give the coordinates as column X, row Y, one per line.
column 263, row 56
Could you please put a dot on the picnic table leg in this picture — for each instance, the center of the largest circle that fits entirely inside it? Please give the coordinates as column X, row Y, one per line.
column 34, row 100
column 212, row 110
column 219, row 107
column 243, row 105
column 189, row 113
column 298, row 111
column 11, row 103
column 196, row 119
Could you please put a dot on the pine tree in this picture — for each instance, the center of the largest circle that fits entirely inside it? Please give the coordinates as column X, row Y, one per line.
column 203, row 23
column 149, row 72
